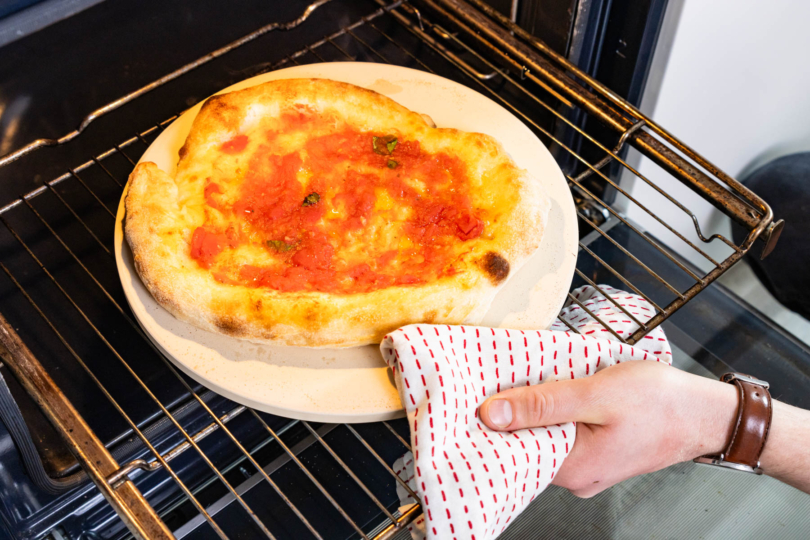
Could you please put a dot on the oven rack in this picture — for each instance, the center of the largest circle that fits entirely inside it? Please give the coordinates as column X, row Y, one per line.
column 73, row 214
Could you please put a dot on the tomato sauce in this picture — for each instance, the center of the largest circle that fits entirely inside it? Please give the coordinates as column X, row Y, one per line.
column 309, row 206
column 206, row 245
column 235, row 145
column 212, row 189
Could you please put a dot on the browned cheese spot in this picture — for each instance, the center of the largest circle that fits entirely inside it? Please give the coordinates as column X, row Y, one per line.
column 313, row 316
column 268, row 334
column 228, row 324
column 430, row 317
column 496, row 267
column 218, row 109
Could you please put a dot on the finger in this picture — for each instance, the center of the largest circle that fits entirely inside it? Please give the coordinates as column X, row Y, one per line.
column 541, row 405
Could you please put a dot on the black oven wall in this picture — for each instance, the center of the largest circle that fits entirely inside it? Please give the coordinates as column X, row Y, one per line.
column 612, row 40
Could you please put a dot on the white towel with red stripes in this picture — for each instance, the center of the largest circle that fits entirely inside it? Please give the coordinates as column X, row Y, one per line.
column 473, row 481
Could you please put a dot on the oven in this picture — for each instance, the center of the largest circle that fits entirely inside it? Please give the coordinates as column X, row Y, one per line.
column 102, row 437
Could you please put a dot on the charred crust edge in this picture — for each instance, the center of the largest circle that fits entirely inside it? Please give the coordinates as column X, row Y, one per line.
column 495, row 266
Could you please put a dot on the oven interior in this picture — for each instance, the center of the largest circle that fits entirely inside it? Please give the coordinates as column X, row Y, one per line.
column 185, row 461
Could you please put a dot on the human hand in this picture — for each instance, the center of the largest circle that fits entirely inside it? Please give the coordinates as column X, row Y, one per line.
column 632, row 418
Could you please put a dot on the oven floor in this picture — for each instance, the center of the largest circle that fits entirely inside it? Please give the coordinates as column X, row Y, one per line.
column 741, row 280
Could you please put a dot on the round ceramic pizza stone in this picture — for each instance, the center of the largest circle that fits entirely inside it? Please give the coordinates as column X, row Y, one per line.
column 354, row 385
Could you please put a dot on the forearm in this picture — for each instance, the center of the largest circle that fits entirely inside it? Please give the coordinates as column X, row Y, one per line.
column 786, row 455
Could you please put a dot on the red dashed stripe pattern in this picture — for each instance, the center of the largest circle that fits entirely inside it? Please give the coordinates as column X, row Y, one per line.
column 471, row 480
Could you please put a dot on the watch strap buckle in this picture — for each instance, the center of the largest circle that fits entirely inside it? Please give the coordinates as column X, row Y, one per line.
column 731, row 377
column 719, row 461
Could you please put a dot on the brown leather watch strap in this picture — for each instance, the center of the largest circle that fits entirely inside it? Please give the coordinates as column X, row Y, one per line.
column 753, row 420
column 751, row 429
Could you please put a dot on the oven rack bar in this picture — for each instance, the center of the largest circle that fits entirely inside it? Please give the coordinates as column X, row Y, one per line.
column 141, row 519
column 497, row 38
column 743, row 205
column 475, row 76
column 460, row 42
column 670, row 158
column 121, row 475
column 90, row 118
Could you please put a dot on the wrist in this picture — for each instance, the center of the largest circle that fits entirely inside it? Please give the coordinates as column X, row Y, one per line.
column 771, row 457
column 719, row 403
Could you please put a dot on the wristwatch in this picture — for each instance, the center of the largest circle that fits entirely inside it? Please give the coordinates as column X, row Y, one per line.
column 751, row 430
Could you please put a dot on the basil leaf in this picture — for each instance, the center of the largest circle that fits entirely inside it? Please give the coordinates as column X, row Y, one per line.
column 311, row 199
column 280, row 245
column 384, row 145
column 392, row 164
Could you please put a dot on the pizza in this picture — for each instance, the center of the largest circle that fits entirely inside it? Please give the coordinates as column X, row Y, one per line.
column 315, row 213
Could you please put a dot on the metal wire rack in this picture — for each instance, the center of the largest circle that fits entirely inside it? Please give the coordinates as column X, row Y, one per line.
column 56, row 256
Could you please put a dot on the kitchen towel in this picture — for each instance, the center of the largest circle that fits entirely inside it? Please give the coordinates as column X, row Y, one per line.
column 473, row 481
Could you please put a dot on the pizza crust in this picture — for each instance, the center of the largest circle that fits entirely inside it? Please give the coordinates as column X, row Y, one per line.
column 162, row 212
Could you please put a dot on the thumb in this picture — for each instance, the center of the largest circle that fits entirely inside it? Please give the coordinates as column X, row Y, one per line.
column 541, row 405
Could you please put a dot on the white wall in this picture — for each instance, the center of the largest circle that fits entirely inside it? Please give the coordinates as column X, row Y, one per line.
column 731, row 78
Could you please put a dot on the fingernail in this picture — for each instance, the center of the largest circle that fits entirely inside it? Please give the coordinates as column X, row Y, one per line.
column 500, row 412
